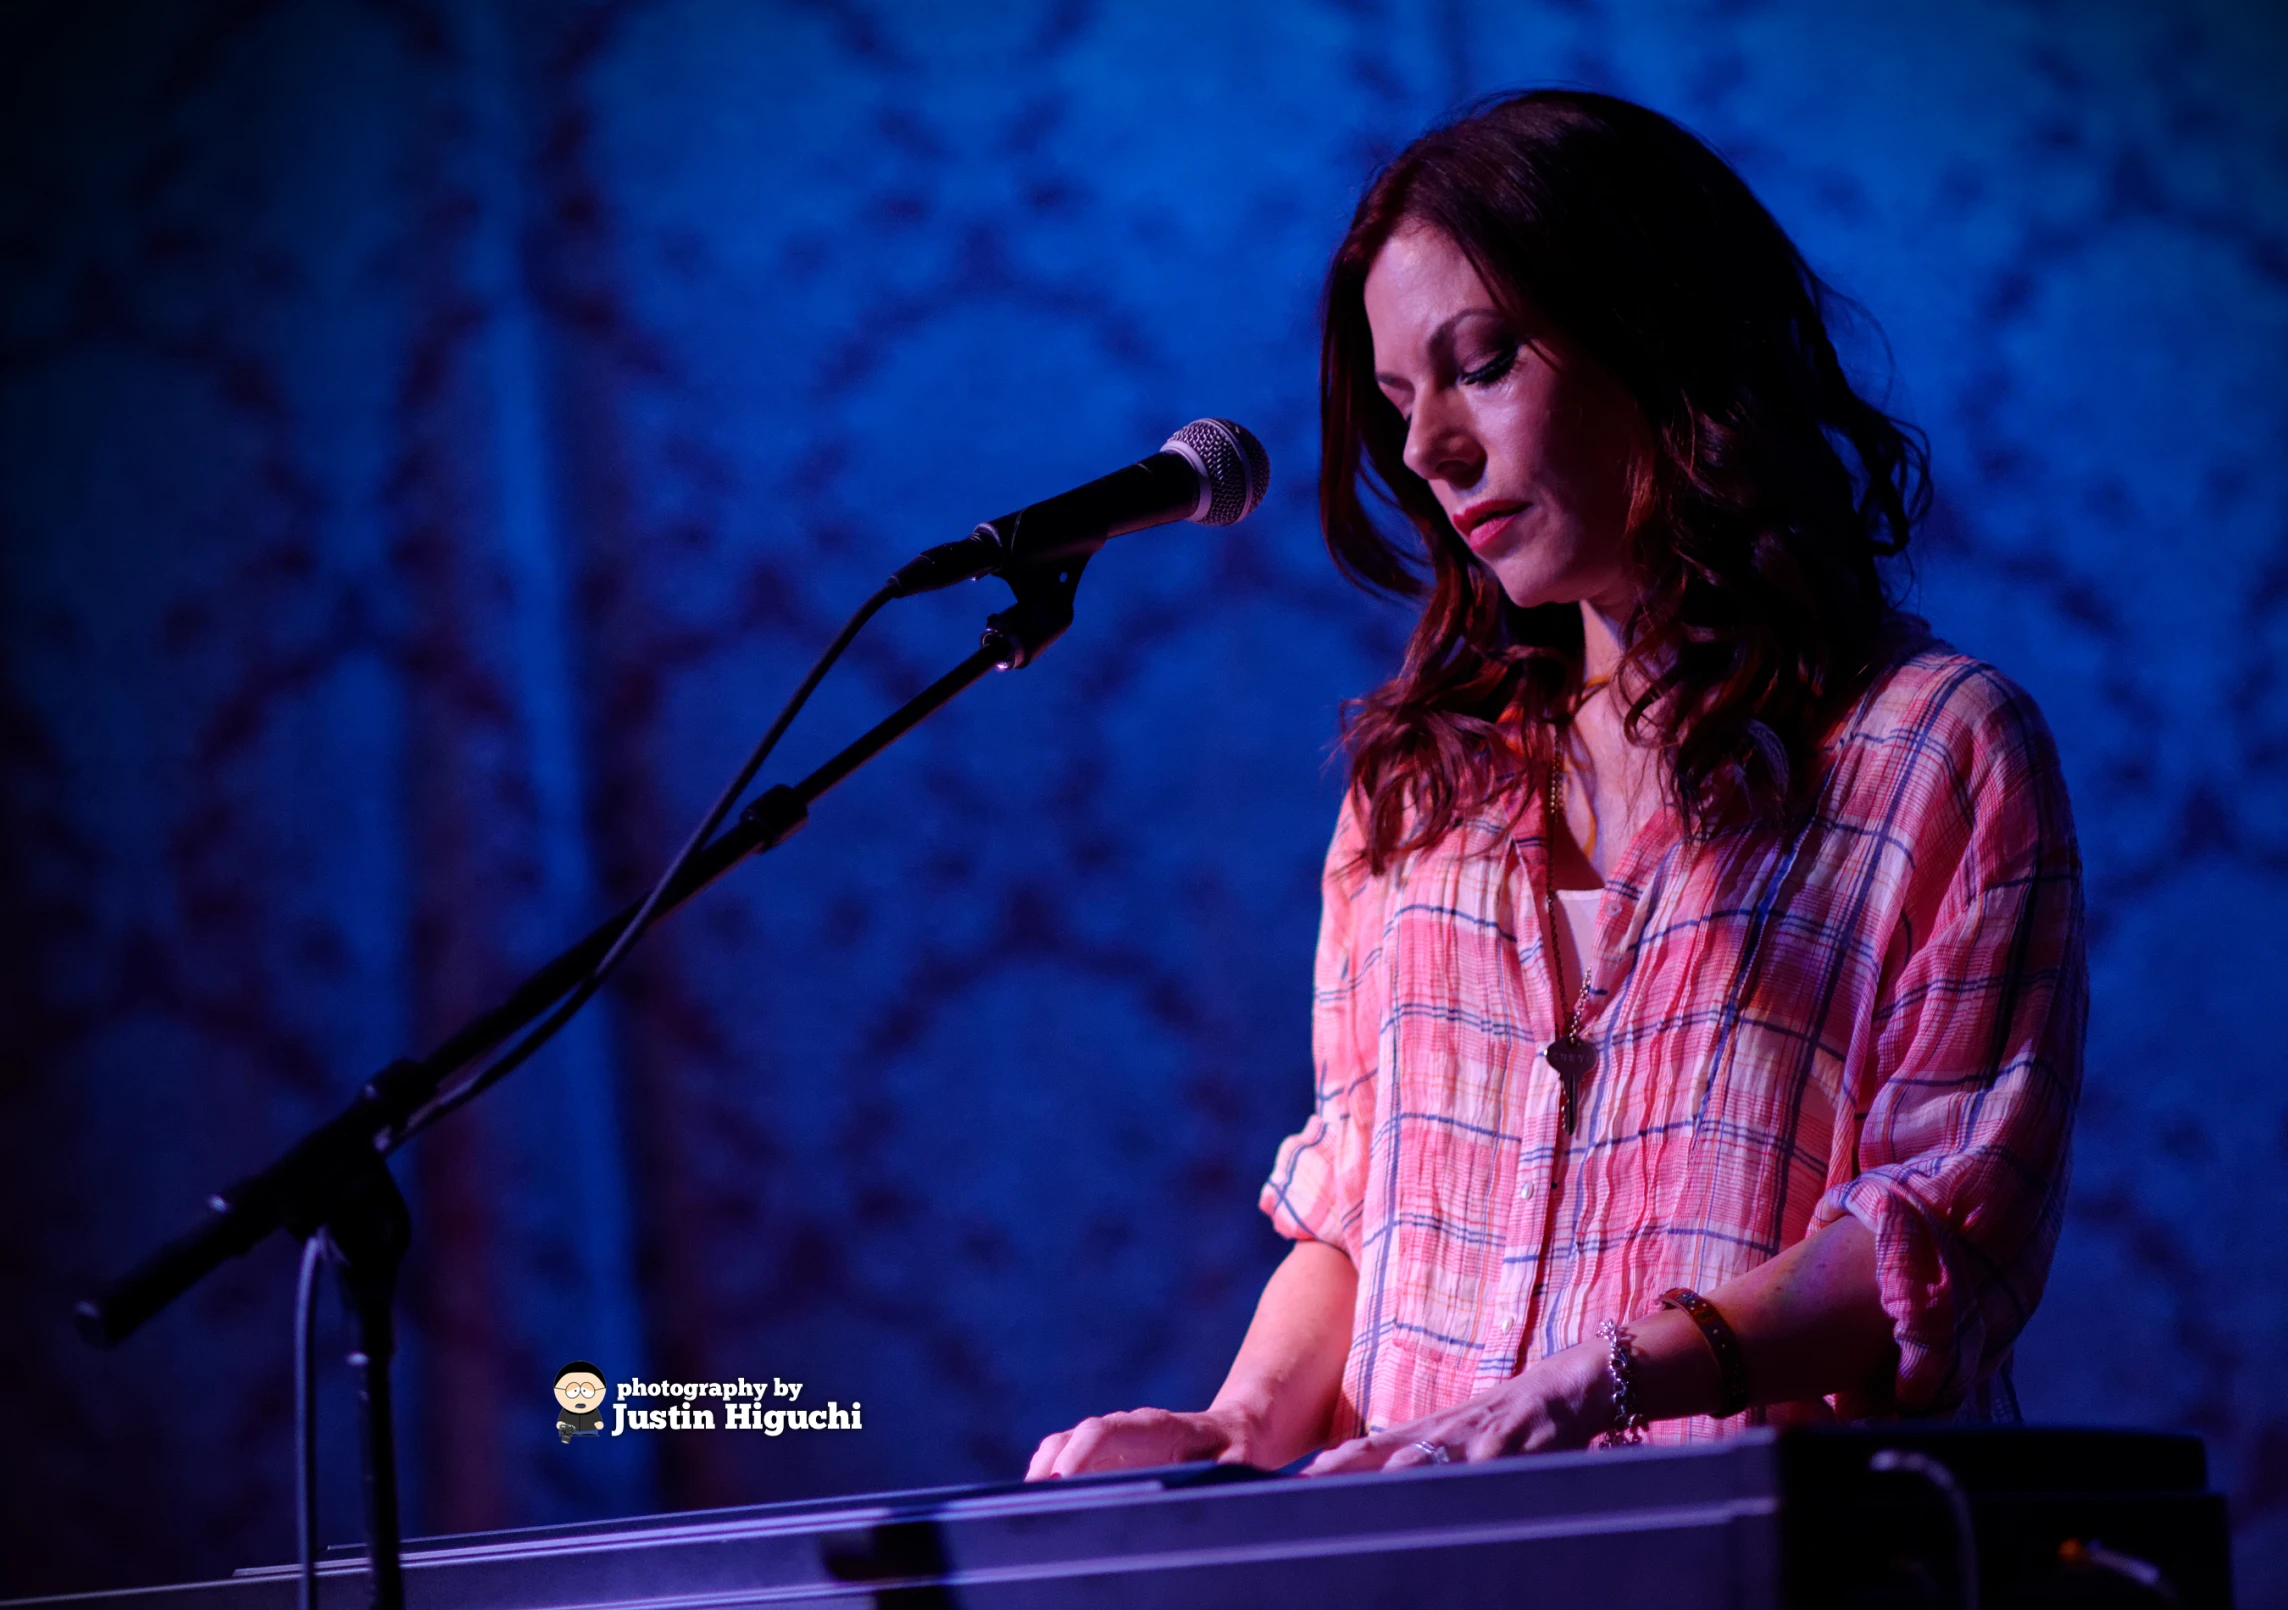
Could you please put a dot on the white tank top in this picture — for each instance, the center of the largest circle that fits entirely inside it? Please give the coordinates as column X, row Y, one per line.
column 1576, row 936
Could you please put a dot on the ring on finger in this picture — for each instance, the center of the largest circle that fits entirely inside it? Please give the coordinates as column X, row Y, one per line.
column 1436, row 1452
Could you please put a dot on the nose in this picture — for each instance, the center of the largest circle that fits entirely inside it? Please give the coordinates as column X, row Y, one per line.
column 1440, row 444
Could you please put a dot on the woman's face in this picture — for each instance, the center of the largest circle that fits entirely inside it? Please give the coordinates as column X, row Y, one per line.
column 1527, row 441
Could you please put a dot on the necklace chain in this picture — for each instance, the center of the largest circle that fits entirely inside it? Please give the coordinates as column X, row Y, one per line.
column 1569, row 1056
column 1570, row 1027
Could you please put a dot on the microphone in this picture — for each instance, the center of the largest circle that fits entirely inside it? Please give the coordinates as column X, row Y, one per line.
column 1212, row 472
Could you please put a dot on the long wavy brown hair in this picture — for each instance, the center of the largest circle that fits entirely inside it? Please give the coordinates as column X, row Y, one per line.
column 1770, row 491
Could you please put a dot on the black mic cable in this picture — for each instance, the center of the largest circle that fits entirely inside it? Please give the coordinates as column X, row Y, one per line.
column 1212, row 472
column 509, row 1061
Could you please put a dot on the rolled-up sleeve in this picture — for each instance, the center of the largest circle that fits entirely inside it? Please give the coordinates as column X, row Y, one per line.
column 1966, row 1087
column 1319, row 1177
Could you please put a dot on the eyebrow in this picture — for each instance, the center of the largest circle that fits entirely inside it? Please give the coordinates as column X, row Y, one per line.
column 1441, row 333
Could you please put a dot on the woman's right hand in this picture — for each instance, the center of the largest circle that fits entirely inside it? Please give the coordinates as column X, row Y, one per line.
column 1136, row 1439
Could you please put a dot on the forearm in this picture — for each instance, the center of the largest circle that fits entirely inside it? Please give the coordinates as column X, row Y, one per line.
column 1275, row 1403
column 1282, row 1388
column 1810, row 1322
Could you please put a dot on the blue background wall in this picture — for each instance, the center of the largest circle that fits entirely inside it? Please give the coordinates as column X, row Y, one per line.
column 433, row 436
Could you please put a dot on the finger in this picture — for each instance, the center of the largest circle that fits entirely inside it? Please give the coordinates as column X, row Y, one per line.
column 1326, row 1460
column 1096, row 1445
column 1495, row 1442
column 1407, row 1458
column 1079, row 1451
column 1360, row 1453
column 1045, row 1456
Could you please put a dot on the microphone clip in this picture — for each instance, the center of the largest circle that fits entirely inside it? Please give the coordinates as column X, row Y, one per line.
column 1044, row 587
column 1043, row 611
column 949, row 564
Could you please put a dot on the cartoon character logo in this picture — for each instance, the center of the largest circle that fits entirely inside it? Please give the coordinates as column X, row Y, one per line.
column 579, row 1401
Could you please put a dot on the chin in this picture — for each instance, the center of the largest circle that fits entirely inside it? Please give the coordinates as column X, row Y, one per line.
column 1529, row 588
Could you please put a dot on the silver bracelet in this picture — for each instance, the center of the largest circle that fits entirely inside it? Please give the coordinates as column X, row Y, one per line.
column 1620, row 1365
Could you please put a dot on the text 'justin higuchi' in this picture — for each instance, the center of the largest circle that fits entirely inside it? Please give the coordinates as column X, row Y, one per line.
column 739, row 1403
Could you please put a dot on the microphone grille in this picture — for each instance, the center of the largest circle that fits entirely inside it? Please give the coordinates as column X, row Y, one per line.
column 1232, row 463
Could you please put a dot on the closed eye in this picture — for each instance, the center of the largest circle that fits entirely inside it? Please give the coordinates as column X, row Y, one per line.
column 1492, row 370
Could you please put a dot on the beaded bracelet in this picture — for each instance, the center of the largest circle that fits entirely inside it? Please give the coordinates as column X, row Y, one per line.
column 1620, row 1365
column 1722, row 1340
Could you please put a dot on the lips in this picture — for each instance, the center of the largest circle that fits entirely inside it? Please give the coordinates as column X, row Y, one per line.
column 1483, row 524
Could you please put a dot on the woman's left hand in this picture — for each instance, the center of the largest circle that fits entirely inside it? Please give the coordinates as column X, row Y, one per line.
column 1555, row 1403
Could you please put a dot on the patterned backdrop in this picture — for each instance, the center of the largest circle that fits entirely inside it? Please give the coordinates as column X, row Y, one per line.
column 433, row 436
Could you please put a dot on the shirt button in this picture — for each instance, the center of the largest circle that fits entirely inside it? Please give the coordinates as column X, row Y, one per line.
column 1507, row 1322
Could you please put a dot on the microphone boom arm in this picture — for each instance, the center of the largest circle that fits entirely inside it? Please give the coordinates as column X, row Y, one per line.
column 295, row 1191
column 335, row 1179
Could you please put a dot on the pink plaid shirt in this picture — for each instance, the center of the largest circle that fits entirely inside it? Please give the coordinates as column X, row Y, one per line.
column 1879, row 1015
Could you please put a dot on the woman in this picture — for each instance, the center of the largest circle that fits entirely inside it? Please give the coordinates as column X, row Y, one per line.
column 1701, row 988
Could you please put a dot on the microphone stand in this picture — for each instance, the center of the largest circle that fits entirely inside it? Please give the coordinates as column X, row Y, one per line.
column 335, row 1181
